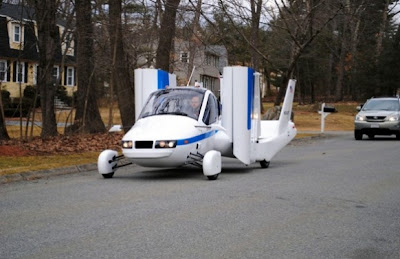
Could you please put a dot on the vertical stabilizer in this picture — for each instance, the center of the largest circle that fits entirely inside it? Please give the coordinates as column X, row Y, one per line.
column 287, row 106
column 148, row 81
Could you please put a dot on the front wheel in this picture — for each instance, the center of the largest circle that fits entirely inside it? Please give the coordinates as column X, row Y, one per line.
column 358, row 135
column 212, row 177
column 109, row 175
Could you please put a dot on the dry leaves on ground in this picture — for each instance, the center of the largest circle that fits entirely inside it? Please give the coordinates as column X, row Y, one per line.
column 62, row 144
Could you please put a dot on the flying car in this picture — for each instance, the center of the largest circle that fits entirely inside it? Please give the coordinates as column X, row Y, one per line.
column 180, row 126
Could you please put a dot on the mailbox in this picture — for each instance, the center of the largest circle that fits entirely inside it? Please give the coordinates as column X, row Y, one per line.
column 325, row 111
column 330, row 109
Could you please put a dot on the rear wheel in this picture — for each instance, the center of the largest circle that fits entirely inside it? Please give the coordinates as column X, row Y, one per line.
column 358, row 135
column 264, row 164
column 371, row 136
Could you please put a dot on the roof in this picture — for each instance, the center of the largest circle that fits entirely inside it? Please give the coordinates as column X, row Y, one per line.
column 29, row 51
column 18, row 12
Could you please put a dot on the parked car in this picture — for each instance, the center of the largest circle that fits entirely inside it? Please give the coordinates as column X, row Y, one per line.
column 378, row 116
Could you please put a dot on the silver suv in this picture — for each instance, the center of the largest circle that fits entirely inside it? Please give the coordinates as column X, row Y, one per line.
column 378, row 116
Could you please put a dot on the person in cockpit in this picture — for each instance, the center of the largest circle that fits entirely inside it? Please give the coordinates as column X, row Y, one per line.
column 195, row 105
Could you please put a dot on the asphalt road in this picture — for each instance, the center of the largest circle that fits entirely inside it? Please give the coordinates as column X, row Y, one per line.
column 320, row 198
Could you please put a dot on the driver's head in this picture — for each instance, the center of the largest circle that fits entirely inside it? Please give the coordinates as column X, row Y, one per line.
column 195, row 102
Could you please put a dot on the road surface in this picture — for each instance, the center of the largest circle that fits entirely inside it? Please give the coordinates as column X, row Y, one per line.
column 328, row 197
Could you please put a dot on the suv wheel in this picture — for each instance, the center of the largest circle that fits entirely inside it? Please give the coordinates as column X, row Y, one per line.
column 358, row 135
column 398, row 136
column 371, row 136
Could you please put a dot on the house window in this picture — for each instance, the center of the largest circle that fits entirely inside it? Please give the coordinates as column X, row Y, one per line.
column 208, row 82
column 212, row 60
column 3, row 71
column 17, row 33
column 35, row 73
column 56, row 74
column 184, row 57
column 20, row 72
column 70, row 76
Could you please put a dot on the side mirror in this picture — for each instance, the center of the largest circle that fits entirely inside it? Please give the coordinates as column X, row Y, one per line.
column 358, row 108
column 217, row 127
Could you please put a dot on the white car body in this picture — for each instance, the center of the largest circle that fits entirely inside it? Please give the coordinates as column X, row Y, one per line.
column 167, row 135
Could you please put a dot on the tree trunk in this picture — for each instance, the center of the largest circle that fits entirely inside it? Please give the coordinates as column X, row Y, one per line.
column 47, row 38
column 343, row 52
column 194, row 41
column 3, row 129
column 121, row 80
column 294, row 56
column 87, row 117
column 255, row 26
column 382, row 27
column 167, row 34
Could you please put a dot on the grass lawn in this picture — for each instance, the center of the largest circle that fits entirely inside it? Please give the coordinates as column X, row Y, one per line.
column 11, row 165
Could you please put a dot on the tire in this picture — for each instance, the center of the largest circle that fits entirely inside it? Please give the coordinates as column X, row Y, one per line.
column 212, row 177
column 358, row 135
column 109, row 175
column 371, row 136
column 398, row 136
column 264, row 164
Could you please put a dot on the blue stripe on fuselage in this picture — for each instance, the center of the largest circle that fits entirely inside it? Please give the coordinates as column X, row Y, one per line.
column 195, row 138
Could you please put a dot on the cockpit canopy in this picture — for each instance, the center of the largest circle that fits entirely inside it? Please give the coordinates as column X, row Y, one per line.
column 182, row 101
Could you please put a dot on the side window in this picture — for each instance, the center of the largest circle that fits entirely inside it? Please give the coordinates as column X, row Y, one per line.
column 3, row 71
column 19, row 72
column 70, row 76
column 17, row 33
column 211, row 112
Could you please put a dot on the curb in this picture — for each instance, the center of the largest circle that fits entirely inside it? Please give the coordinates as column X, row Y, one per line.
column 34, row 175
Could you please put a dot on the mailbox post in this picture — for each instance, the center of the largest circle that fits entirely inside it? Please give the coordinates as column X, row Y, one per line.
column 325, row 111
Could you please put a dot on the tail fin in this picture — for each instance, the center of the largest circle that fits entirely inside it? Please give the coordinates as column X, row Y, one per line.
column 286, row 110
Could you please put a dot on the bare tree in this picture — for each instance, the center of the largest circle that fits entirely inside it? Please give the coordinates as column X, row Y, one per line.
column 194, row 42
column 47, row 45
column 3, row 128
column 87, row 117
column 255, row 31
column 302, row 29
column 119, row 69
column 167, row 34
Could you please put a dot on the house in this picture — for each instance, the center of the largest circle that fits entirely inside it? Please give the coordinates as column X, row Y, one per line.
column 19, row 57
column 208, row 62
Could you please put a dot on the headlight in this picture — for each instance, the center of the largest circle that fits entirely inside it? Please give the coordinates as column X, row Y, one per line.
column 393, row 118
column 127, row 143
column 165, row 144
column 360, row 118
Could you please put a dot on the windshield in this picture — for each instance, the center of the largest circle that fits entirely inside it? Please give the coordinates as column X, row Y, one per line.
column 381, row 105
column 176, row 101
